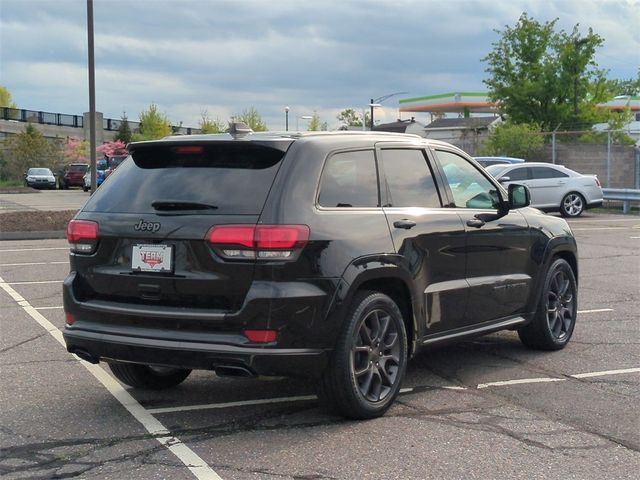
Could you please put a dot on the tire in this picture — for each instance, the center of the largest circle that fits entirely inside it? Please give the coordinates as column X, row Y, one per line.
column 572, row 205
column 555, row 318
column 357, row 384
column 85, row 189
column 148, row 377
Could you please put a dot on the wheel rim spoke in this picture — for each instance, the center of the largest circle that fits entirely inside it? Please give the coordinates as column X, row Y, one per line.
column 560, row 304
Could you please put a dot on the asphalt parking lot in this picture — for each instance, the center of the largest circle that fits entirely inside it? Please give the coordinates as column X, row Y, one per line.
column 486, row 408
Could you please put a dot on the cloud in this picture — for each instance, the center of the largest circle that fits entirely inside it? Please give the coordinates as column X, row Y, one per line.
column 227, row 56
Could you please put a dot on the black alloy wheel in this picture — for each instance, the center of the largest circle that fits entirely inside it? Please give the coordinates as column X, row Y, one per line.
column 375, row 355
column 367, row 366
column 555, row 319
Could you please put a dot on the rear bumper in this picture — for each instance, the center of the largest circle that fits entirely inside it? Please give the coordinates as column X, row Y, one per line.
column 196, row 355
column 207, row 339
column 594, row 204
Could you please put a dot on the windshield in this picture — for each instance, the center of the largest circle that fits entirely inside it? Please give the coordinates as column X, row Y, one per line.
column 496, row 170
column 39, row 171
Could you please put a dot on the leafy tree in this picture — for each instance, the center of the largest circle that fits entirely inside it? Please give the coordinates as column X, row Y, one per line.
column 110, row 149
column 124, row 130
column 351, row 118
column 521, row 140
column 630, row 86
column 76, row 150
column 211, row 126
column 153, row 124
column 314, row 124
column 253, row 120
column 27, row 149
column 5, row 98
column 539, row 75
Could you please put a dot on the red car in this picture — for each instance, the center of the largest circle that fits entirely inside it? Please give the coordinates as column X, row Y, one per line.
column 72, row 175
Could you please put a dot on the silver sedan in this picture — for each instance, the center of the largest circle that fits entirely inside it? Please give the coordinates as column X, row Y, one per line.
column 552, row 187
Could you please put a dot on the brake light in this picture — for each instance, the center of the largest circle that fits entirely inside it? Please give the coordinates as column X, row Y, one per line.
column 597, row 181
column 262, row 242
column 189, row 149
column 82, row 236
column 261, row 336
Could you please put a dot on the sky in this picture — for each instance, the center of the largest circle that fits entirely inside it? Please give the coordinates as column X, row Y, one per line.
column 224, row 57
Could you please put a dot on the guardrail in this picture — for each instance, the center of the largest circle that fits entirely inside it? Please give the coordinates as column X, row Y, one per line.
column 626, row 195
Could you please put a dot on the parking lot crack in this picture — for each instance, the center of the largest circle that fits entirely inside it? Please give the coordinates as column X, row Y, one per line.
column 16, row 345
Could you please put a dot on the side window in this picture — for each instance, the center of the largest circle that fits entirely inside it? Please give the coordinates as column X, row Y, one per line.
column 409, row 179
column 349, row 179
column 469, row 187
column 519, row 173
column 546, row 172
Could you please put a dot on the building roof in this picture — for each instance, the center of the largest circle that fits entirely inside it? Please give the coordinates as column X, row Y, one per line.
column 622, row 102
column 399, row 126
column 460, row 102
column 461, row 123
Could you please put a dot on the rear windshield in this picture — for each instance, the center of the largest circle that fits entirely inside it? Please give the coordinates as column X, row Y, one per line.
column 227, row 178
column 78, row 168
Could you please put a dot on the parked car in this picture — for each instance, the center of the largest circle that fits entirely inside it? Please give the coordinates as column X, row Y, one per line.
column 39, row 177
column 553, row 187
column 72, row 175
column 100, row 175
column 113, row 163
column 330, row 255
column 487, row 161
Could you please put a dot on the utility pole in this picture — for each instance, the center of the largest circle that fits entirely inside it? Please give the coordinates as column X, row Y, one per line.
column 92, row 98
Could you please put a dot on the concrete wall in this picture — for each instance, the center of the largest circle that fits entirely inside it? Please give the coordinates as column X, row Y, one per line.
column 12, row 127
column 592, row 159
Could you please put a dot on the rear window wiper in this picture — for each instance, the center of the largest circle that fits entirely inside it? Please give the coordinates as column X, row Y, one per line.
column 181, row 205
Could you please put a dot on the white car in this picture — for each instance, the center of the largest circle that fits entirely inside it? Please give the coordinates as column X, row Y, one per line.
column 552, row 187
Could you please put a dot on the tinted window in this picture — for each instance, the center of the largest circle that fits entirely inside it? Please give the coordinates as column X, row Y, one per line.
column 349, row 179
column 470, row 188
column 547, row 172
column 523, row 173
column 39, row 171
column 78, row 168
column 409, row 179
column 235, row 178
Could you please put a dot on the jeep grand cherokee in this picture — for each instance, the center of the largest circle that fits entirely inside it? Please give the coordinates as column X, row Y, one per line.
column 328, row 255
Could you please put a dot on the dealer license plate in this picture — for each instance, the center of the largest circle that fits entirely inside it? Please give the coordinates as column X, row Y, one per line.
column 151, row 258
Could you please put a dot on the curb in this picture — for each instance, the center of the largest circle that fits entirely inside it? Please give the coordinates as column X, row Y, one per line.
column 41, row 235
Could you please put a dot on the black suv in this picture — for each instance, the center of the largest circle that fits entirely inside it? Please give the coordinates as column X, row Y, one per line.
column 328, row 255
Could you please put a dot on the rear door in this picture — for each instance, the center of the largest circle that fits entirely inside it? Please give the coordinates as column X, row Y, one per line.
column 154, row 213
column 548, row 185
column 429, row 238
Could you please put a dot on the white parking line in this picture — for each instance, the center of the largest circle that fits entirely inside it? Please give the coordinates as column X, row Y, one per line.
column 34, row 282
column 606, row 372
column 188, row 457
column 519, row 381
column 32, row 263
column 597, row 310
column 49, row 308
column 243, row 403
column 33, row 249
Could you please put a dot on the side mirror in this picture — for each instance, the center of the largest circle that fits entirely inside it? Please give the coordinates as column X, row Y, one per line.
column 519, row 196
column 504, row 179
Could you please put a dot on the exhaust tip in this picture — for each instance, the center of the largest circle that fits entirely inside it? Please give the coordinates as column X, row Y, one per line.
column 84, row 355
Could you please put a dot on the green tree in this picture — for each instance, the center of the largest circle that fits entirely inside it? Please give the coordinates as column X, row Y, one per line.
column 5, row 98
column 630, row 86
column 28, row 149
column 211, row 126
column 521, row 140
column 253, row 120
column 153, row 124
column 350, row 117
column 315, row 123
column 124, row 130
column 540, row 75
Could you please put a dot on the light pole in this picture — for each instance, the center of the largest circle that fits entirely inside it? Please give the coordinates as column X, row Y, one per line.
column 92, row 97
column 377, row 102
column 303, row 117
column 286, row 118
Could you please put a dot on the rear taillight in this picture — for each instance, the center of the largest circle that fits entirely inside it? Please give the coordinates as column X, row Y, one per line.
column 597, row 181
column 82, row 236
column 259, row 242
